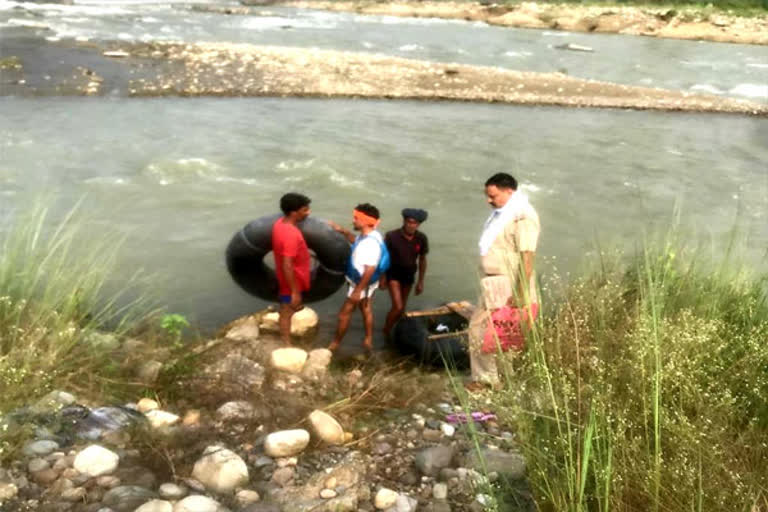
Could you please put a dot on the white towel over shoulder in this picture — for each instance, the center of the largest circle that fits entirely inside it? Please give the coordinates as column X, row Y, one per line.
column 515, row 208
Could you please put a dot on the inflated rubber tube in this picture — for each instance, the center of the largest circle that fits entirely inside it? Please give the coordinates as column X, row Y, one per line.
column 410, row 338
column 247, row 250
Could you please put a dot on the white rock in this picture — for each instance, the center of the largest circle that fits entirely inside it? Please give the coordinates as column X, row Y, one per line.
column 286, row 443
column 302, row 322
column 448, row 429
column 244, row 329
column 326, row 427
column 327, row 494
column 156, row 506
column 7, row 492
column 74, row 494
column 317, row 363
column 440, row 491
column 171, row 491
column 149, row 371
column 220, row 470
column 40, row 448
column 234, row 411
column 96, row 460
column 160, row 419
column 405, row 503
column 147, row 404
column 246, row 497
column 289, row 359
column 198, row 503
column 385, row 498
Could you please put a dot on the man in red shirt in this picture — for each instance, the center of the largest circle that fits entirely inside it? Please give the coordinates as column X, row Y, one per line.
column 292, row 260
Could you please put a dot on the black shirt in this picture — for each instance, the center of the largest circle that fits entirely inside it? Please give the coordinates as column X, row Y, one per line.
column 404, row 253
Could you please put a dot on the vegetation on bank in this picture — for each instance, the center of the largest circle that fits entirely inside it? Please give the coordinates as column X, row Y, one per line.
column 645, row 387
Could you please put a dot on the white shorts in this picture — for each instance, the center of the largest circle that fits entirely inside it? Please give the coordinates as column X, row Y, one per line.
column 367, row 293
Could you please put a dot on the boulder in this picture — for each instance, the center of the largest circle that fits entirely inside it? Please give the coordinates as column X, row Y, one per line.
column 303, row 322
column 431, row 460
column 286, row 443
column 289, row 359
column 156, row 506
column 326, row 427
column 385, row 498
column 96, row 461
column 198, row 503
column 244, row 329
column 220, row 470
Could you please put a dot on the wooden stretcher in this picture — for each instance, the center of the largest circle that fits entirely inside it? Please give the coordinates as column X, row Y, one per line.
column 462, row 308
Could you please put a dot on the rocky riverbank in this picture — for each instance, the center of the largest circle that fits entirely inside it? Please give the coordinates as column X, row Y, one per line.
column 241, row 424
column 226, row 69
column 696, row 23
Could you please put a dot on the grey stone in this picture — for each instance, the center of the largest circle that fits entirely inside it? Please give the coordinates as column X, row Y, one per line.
column 52, row 402
column 237, row 374
column 238, row 410
column 38, row 464
column 431, row 460
column 127, row 498
column 96, row 461
column 40, row 448
column 510, row 464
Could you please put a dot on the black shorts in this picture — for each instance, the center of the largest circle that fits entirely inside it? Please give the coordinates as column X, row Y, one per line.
column 404, row 276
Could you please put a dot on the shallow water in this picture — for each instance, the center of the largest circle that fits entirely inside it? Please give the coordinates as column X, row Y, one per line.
column 180, row 176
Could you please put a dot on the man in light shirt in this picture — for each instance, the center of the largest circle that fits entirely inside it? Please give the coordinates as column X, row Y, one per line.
column 507, row 252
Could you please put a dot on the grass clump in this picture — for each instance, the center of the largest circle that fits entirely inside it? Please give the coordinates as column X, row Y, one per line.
column 60, row 320
column 645, row 387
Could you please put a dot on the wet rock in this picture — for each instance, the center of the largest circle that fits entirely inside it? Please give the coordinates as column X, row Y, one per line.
column 236, row 411
column 431, row 460
column 303, row 322
column 40, row 448
column 385, row 498
column 97, row 422
column 162, row 419
column 198, row 503
column 156, row 506
column 127, row 498
column 290, row 360
column 326, row 427
column 509, row 464
column 244, row 329
column 286, row 443
column 96, row 461
column 220, row 470
column 147, row 404
column 171, row 491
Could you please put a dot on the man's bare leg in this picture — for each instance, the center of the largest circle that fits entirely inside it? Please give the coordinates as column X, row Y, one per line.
column 343, row 324
column 366, row 308
column 286, row 313
column 397, row 305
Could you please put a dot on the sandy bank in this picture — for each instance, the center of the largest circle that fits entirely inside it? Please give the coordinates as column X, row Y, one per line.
column 694, row 23
column 222, row 69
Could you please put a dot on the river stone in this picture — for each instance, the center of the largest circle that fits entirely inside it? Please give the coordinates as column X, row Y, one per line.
column 40, row 448
column 440, row 491
column 8, row 491
column 160, row 419
column 327, row 494
column 102, row 340
column 283, row 476
column 237, row 374
column 302, row 322
column 37, row 464
column 431, row 460
column 45, row 476
column 288, row 359
column 244, row 329
column 156, row 506
column 326, row 427
column 236, row 411
column 198, row 503
column 405, row 503
column 317, row 363
column 147, row 404
column 73, row 495
column 509, row 464
column 96, row 460
column 149, row 371
column 108, row 481
column 52, row 402
column 246, row 497
column 127, row 498
column 385, row 498
column 220, row 470
column 171, row 491
column 286, row 443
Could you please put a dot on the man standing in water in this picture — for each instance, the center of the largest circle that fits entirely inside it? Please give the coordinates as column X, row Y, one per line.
column 292, row 259
column 368, row 259
column 507, row 251
column 408, row 248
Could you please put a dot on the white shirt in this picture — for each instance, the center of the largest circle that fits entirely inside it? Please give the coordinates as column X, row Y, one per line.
column 367, row 252
column 515, row 207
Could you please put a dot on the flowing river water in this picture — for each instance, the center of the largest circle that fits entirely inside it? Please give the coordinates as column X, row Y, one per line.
column 180, row 176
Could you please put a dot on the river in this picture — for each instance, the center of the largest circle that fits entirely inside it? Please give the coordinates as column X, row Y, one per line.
column 180, row 176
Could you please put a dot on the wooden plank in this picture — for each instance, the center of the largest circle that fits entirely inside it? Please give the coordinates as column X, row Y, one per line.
column 443, row 335
column 463, row 308
column 442, row 310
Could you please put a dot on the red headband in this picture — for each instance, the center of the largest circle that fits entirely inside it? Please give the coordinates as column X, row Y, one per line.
column 365, row 218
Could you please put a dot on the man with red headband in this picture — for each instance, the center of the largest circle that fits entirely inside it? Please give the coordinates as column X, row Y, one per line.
column 368, row 260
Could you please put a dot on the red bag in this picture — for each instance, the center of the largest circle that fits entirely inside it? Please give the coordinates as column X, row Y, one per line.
column 505, row 329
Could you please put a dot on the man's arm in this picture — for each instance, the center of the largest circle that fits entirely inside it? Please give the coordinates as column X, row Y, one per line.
column 524, row 291
column 422, row 273
column 357, row 293
column 350, row 236
column 290, row 276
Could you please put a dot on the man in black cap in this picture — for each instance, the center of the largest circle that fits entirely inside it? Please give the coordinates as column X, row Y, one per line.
column 408, row 248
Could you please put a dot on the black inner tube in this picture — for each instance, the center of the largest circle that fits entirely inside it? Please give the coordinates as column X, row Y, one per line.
column 247, row 251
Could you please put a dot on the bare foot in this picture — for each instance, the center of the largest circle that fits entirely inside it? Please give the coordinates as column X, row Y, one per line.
column 334, row 346
column 368, row 344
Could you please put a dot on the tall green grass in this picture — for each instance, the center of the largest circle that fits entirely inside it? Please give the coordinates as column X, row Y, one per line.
column 644, row 386
column 58, row 308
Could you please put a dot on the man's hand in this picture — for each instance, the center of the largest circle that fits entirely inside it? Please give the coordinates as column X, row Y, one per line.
column 383, row 284
column 419, row 287
column 296, row 301
column 335, row 226
column 356, row 296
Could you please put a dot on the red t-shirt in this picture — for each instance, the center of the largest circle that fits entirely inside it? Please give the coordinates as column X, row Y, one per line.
column 288, row 242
